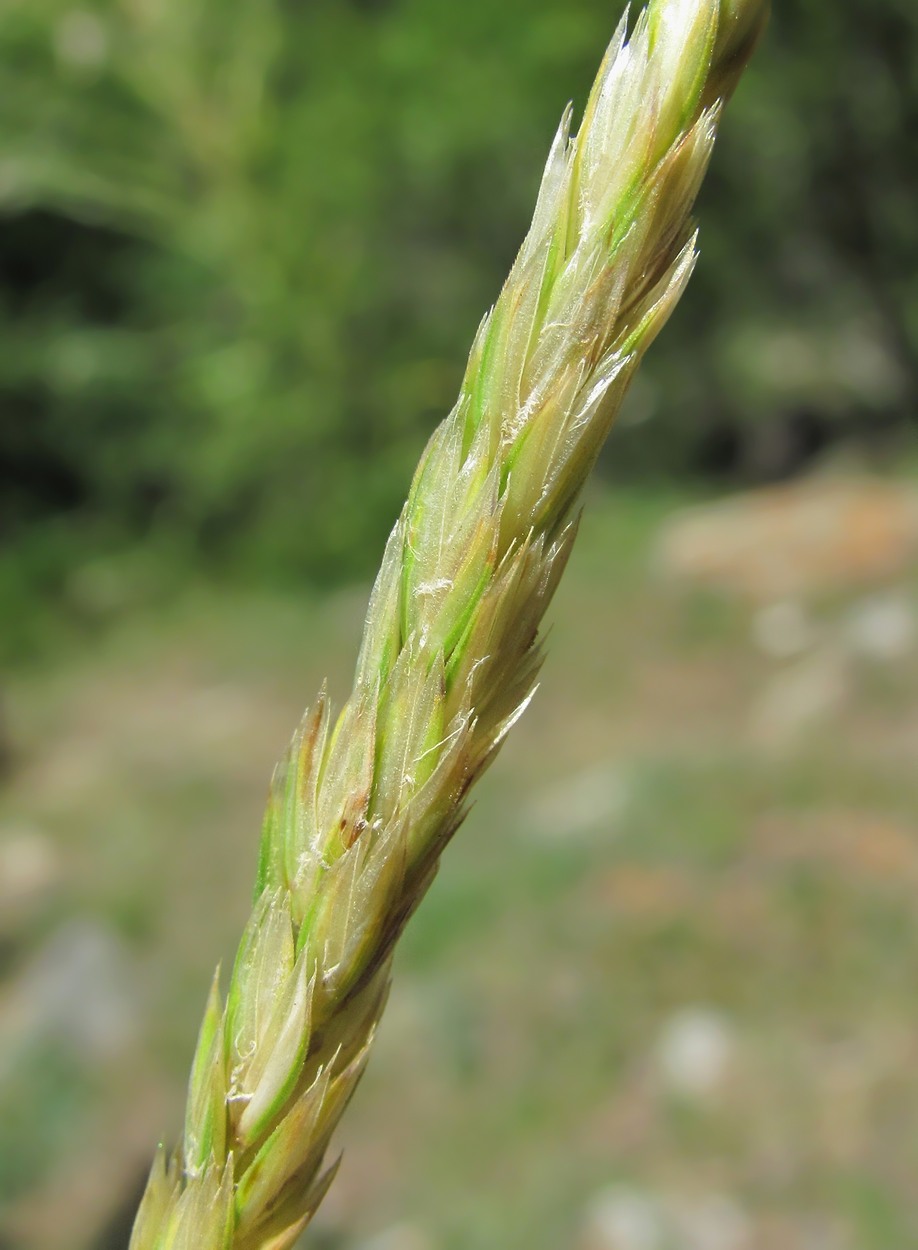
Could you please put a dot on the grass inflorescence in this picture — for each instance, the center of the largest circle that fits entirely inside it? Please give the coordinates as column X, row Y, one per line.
column 364, row 802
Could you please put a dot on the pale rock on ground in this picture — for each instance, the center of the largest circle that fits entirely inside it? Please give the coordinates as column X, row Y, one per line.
column 81, row 41
column 882, row 628
column 695, row 1052
column 711, row 1222
column 80, row 990
column 623, row 1217
column 800, row 699
column 783, row 630
column 590, row 801
column 801, row 538
column 30, row 872
column 399, row 1237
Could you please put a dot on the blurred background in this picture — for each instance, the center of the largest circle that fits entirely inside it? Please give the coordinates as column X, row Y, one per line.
column 662, row 996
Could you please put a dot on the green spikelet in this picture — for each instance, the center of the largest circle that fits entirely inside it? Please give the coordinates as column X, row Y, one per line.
column 363, row 804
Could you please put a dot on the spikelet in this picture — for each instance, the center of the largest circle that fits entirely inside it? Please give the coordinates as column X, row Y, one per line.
column 363, row 804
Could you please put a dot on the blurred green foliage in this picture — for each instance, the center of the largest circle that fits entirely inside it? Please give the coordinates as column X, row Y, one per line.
column 244, row 248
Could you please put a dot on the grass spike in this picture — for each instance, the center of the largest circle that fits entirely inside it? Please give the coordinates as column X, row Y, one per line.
column 359, row 815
